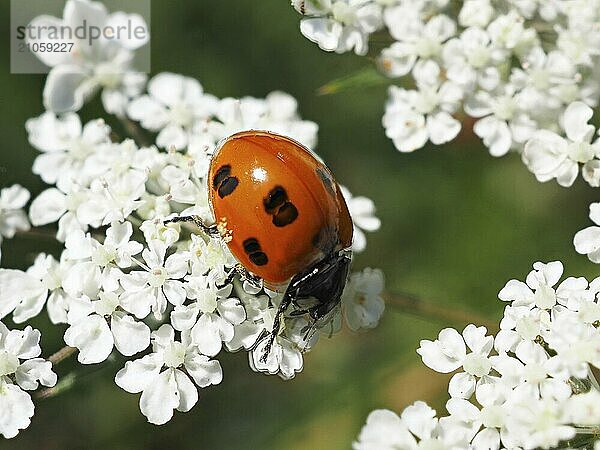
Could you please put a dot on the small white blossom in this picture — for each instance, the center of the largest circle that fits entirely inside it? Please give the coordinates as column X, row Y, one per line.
column 105, row 320
column 21, row 369
column 112, row 198
column 416, row 428
column 449, row 352
column 412, row 117
column 218, row 314
column 342, row 25
column 584, row 409
column 171, row 388
column 362, row 211
column 472, row 60
column 548, row 155
column 284, row 359
column 416, row 39
column 503, row 124
column 510, row 32
column 66, row 145
column 54, row 205
column 173, row 105
column 587, row 241
column 361, row 301
column 24, row 294
column 88, row 67
column 476, row 13
column 539, row 424
column 159, row 282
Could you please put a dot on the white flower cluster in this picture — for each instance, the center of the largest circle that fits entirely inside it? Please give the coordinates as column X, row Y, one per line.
column 524, row 71
column 126, row 282
column 12, row 217
column 104, row 64
column 587, row 241
column 531, row 386
column 21, row 369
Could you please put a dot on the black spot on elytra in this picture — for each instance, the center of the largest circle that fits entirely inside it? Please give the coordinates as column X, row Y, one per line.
column 259, row 258
column 254, row 252
column 228, row 186
column 277, row 197
column 286, row 215
column 277, row 205
column 223, row 182
column 251, row 245
column 326, row 179
column 222, row 173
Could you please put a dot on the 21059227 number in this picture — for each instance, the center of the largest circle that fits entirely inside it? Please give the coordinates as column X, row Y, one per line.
column 47, row 47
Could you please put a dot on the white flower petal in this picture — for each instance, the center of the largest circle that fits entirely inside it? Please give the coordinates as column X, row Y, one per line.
column 92, row 337
column 462, row 385
column 232, row 310
column 442, row 127
column 47, row 207
column 209, row 332
column 16, row 409
column 160, row 398
column 203, row 370
column 23, row 344
column 65, row 89
column 587, row 241
column 420, row 419
column 495, row 134
column 139, row 374
column 445, row 354
column 325, row 32
column 575, row 122
column 33, row 372
column 130, row 335
column 188, row 393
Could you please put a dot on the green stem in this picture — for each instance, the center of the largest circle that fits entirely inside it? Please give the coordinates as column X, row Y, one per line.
column 61, row 355
column 413, row 305
column 64, row 384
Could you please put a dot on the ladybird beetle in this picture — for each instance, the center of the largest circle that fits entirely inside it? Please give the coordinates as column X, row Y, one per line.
column 283, row 216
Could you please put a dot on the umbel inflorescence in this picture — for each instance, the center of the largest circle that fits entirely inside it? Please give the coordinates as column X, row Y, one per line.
column 523, row 73
column 530, row 386
column 158, row 294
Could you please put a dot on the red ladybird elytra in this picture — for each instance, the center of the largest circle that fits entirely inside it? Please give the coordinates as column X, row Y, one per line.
column 284, row 218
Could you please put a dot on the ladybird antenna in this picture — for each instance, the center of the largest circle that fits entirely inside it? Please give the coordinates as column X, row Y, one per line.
column 210, row 230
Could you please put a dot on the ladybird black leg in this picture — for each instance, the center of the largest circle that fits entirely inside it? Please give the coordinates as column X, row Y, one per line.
column 243, row 272
column 324, row 281
column 247, row 276
column 285, row 303
column 210, row 230
column 228, row 279
column 299, row 312
column 312, row 329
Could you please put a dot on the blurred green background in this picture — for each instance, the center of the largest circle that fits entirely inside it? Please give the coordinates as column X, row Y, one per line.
column 457, row 224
